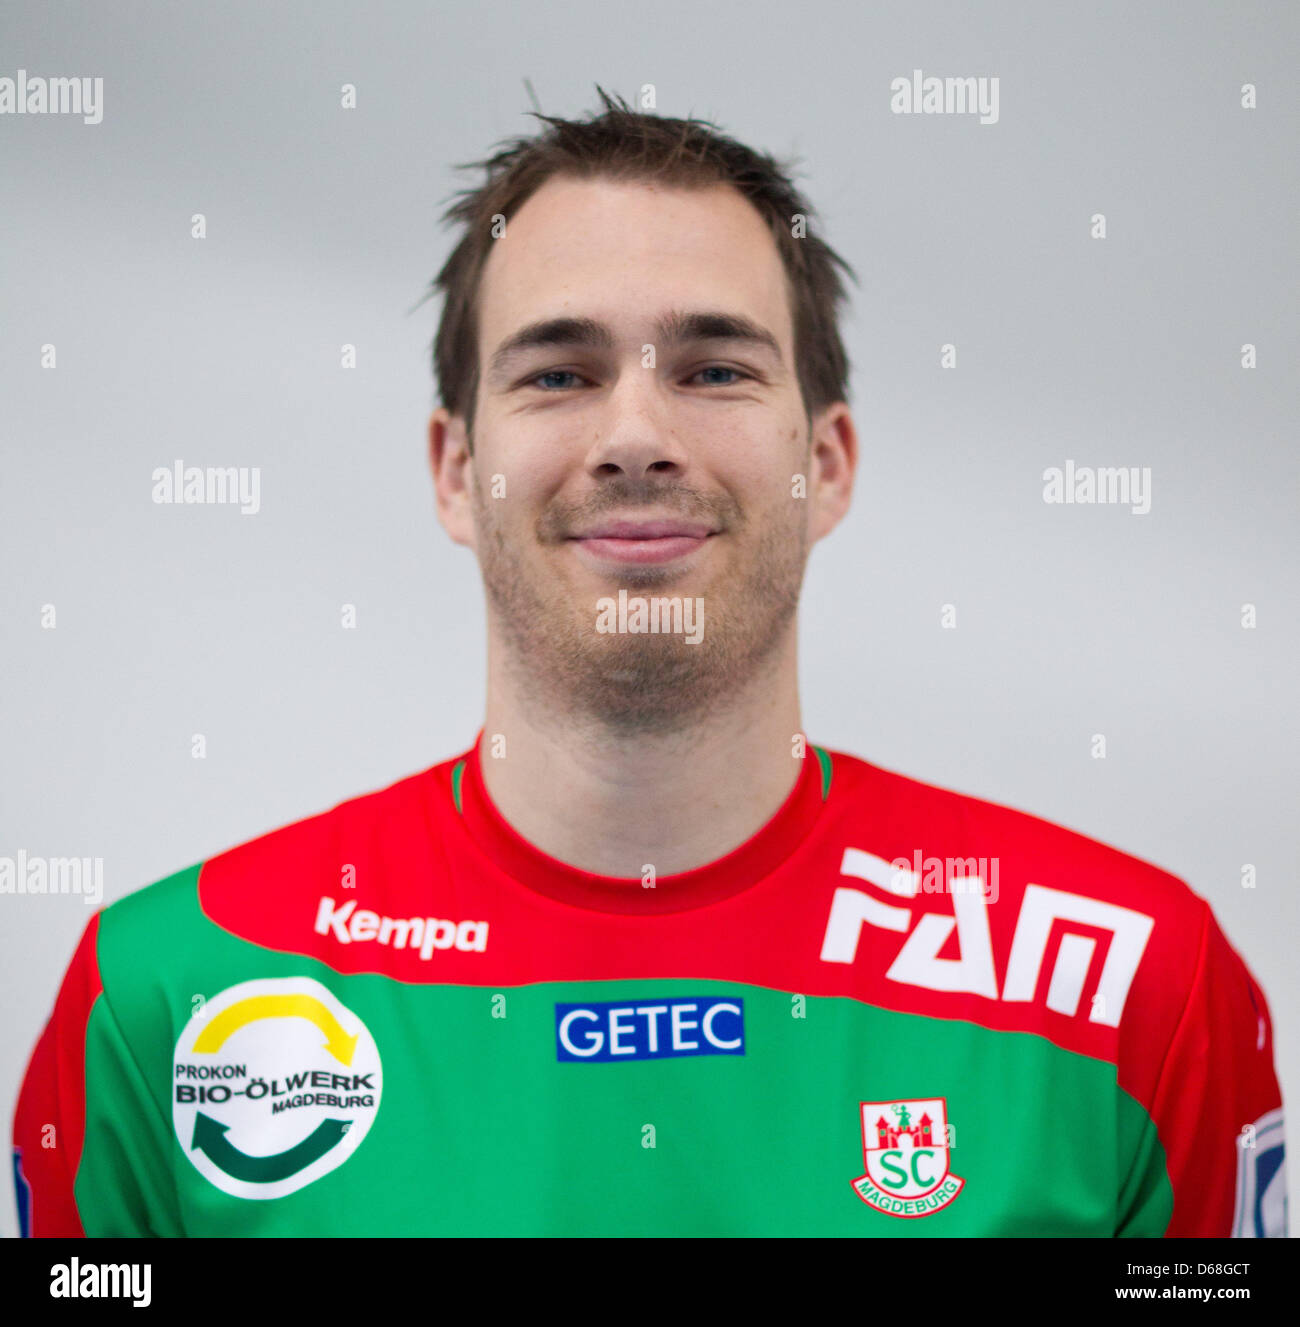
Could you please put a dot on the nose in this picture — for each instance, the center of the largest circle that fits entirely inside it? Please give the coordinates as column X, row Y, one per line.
column 634, row 436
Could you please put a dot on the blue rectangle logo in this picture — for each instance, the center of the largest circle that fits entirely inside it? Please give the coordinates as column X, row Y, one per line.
column 650, row 1029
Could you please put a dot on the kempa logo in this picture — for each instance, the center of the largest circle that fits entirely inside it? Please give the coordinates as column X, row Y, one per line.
column 349, row 924
column 653, row 616
column 905, row 1145
column 918, row 962
column 92, row 1280
column 274, row 1084
column 53, row 96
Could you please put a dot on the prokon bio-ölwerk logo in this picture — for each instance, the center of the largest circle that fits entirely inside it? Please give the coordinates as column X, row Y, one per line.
column 274, row 1084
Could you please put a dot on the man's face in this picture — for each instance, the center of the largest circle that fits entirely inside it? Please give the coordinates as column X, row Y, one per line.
column 646, row 444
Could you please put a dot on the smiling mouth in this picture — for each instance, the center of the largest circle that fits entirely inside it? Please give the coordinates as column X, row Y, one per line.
column 640, row 548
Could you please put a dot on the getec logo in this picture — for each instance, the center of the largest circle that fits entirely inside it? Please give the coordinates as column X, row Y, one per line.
column 650, row 1029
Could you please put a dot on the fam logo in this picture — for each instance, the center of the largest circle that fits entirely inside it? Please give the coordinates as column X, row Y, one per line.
column 650, row 1030
column 275, row 1084
column 1044, row 913
column 905, row 1144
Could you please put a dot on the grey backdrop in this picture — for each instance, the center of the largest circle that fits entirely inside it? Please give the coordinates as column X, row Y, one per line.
column 1072, row 620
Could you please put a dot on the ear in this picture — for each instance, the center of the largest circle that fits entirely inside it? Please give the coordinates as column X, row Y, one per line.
column 834, row 464
column 452, row 467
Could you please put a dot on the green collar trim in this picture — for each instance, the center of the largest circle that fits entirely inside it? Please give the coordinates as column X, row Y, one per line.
column 824, row 758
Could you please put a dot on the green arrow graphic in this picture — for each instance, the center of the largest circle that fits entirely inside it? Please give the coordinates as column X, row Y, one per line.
column 210, row 1138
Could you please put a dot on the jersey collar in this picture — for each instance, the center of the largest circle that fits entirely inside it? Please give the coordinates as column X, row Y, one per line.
column 744, row 866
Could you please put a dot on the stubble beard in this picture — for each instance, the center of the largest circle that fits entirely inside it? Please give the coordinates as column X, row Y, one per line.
column 631, row 684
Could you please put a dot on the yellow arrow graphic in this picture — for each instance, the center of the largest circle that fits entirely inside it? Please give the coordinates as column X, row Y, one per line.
column 228, row 1021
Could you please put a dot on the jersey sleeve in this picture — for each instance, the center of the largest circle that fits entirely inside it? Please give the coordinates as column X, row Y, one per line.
column 1217, row 1105
column 89, row 1147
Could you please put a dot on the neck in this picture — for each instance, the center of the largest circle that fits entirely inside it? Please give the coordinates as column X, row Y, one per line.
column 610, row 803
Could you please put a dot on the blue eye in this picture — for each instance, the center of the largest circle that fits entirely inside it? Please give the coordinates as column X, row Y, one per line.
column 722, row 368
column 546, row 382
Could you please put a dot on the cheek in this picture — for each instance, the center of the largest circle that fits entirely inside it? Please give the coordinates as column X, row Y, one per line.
column 532, row 459
column 510, row 516
column 774, row 485
column 762, row 439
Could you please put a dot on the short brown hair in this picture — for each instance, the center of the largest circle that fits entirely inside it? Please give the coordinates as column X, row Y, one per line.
column 624, row 144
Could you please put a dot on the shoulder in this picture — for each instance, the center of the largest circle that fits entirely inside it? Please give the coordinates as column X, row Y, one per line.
column 260, row 888
column 931, row 825
column 1011, row 920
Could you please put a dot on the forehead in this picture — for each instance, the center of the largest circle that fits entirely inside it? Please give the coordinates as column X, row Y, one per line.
column 624, row 253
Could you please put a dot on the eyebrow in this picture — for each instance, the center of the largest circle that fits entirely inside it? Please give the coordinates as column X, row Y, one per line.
column 674, row 329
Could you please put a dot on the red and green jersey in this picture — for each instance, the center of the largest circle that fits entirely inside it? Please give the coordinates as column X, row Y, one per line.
column 895, row 1010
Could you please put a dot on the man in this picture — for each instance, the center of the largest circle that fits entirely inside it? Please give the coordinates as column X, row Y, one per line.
column 643, row 961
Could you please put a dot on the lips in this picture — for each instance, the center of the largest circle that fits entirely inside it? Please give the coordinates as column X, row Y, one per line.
column 642, row 542
column 656, row 529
